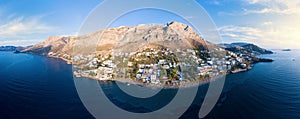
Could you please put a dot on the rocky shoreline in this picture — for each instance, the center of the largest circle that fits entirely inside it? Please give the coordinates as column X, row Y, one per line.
column 185, row 84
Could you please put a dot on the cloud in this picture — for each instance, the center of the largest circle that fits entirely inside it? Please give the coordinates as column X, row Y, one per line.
column 281, row 7
column 21, row 26
column 19, row 29
column 256, row 1
column 262, row 11
column 245, row 11
column 18, row 42
column 274, row 6
column 281, row 36
column 240, row 33
column 267, row 23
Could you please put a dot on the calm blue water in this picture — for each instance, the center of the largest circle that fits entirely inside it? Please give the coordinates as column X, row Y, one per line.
column 36, row 87
column 39, row 87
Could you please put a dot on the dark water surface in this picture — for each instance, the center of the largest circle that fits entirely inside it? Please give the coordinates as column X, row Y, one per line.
column 39, row 87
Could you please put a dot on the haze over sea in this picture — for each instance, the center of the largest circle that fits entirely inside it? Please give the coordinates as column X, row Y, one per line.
column 34, row 86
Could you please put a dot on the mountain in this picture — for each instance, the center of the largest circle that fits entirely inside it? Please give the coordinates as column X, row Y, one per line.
column 11, row 48
column 173, row 35
column 245, row 48
column 7, row 48
column 55, row 44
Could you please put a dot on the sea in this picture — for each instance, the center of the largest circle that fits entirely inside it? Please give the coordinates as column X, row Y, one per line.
column 39, row 87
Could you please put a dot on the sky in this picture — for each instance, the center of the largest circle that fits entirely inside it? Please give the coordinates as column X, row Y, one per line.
column 271, row 24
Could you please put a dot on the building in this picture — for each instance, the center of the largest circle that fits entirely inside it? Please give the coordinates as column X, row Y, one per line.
column 130, row 64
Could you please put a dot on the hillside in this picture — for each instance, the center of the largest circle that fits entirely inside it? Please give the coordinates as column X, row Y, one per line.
column 173, row 35
column 245, row 48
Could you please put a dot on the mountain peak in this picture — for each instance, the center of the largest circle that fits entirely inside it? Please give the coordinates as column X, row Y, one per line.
column 172, row 34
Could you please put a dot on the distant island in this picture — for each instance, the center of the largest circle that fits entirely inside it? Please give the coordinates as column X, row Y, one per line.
column 245, row 48
column 158, row 55
column 286, row 50
column 12, row 48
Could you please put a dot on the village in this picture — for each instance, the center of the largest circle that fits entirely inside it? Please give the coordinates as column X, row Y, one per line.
column 163, row 66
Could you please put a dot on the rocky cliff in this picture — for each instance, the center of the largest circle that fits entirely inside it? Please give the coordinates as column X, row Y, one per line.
column 173, row 34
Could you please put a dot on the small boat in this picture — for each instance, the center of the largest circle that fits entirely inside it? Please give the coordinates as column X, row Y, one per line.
column 293, row 59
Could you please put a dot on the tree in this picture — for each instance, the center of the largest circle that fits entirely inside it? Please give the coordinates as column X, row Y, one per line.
column 92, row 73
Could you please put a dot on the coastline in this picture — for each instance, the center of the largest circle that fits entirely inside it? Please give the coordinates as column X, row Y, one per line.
column 188, row 84
column 185, row 84
column 66, row 60
column 51, row 56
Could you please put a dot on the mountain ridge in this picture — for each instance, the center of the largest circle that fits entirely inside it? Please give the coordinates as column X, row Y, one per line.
column 245, row 48
column 124, row 38
column 174, row 34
